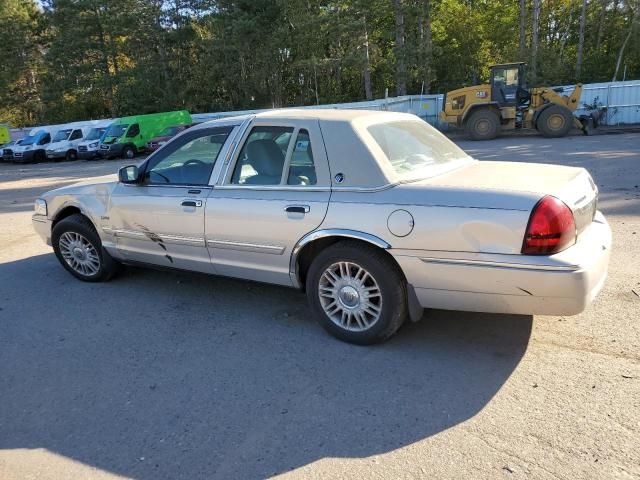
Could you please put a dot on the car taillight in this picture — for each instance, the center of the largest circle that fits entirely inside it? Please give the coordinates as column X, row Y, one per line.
column 551, row 228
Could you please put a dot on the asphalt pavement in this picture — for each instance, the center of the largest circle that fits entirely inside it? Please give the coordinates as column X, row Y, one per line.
column 165, row 375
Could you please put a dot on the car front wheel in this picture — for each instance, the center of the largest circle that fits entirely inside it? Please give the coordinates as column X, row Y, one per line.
column 357, row 293
column 79, row 249
column 128, row 152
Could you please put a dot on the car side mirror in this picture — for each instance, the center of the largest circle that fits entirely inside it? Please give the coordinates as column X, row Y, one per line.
column 129, row 174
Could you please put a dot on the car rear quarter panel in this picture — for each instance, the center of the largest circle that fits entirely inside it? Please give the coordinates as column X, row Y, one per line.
column 445, row 220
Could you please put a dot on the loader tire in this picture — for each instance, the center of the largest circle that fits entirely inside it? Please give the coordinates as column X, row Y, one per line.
column 483, row 124
column 555, row 121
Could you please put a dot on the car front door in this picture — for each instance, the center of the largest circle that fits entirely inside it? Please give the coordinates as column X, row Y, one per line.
column 274, row 190
column 161, row 219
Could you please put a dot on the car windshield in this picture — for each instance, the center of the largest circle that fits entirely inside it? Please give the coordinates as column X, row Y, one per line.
column 95, row 133
column 415, row 149
column 30, row 139
column 117, row 130
column 62, row 135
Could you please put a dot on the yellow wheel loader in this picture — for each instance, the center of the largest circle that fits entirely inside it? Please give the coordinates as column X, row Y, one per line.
column 507, row 104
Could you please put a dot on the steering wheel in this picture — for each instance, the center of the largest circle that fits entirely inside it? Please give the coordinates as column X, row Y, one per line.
column 194, row 161
column 166, row 179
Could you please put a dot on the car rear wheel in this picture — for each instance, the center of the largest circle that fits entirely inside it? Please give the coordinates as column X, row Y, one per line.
column 555, row 121
column 79, row 249
column 357, row 293
column 483, row 124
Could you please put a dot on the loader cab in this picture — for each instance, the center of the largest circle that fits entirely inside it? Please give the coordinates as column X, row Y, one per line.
column 508, row 85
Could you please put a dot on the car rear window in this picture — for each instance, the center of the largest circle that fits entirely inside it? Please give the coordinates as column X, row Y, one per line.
column 415, row 149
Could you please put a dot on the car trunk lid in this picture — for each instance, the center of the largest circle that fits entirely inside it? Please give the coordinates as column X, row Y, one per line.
column 572, row 185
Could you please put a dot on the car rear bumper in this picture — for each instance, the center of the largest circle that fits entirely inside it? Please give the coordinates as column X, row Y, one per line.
column 42, row 226
column 561, row 284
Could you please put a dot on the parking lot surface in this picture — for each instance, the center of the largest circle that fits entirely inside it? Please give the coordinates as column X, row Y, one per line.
column 175, row 375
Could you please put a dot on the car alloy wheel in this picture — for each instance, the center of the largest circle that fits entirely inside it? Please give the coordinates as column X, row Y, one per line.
column 79, row 253
column 350, row 296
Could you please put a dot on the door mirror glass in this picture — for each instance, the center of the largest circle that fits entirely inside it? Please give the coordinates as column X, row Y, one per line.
column 129, row 174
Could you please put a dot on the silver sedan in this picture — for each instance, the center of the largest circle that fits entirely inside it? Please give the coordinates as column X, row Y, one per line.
column 376, row 215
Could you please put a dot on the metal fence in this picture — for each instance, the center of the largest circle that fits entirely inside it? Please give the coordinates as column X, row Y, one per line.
column 426, row 107
column 622, row 100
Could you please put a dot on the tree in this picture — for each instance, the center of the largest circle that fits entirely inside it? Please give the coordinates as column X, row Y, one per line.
column 633, row 13
column 21, row 40
column 401, row 67
column 535, row 28
column 522, row 38
column 583, row 21
column 66, row 60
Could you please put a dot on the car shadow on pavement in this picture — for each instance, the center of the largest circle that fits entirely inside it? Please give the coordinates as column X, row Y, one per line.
column 176, row 375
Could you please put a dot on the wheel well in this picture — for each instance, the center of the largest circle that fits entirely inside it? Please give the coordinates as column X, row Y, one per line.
column 64, row 213
column 310, row 251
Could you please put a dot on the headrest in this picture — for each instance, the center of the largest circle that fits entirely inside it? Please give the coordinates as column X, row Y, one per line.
column 265, row 157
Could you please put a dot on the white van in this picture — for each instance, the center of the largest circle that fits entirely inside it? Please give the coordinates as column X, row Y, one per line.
column 64, row 144
column 89, row 147
column 33, row 146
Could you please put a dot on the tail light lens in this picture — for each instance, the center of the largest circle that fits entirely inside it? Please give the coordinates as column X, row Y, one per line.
column 551, row 228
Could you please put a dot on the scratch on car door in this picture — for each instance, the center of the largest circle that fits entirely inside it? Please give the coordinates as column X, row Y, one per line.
column 155, row 238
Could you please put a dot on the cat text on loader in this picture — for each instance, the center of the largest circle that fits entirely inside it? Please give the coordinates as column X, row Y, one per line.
column 507, row 104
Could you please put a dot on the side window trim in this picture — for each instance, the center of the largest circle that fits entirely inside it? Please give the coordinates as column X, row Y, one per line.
column 228, row 180
column 244, row 134
column 287, row 159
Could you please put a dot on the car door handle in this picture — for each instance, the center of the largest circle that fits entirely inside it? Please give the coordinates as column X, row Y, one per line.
column 191, row 203
column 297, row 209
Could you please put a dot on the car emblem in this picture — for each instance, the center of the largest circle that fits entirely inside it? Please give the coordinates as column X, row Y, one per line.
column 339, row 178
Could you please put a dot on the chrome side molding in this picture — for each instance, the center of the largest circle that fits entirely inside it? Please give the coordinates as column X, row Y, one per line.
column 246, row 247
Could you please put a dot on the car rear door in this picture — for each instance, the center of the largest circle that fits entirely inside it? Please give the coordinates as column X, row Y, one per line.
column 161, row 220
column 275, row 189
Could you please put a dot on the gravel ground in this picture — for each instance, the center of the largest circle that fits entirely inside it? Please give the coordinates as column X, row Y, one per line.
column 174, row 375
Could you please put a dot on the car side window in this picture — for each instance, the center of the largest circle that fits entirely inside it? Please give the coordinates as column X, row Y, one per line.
column 188, row 160
column 302, row 170
column 44, row 140
column 261, row 160
column 133, row 130
column 77, row 134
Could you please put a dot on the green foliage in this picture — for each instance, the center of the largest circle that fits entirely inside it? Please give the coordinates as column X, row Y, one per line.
column 65, row 60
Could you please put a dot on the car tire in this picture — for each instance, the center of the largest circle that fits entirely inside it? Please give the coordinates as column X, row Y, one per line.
column 71, row 155
column 357, row 293
column 128, row 152
column 555, row 121
column 39, row 157
column 79, row 249
column 483, row 124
